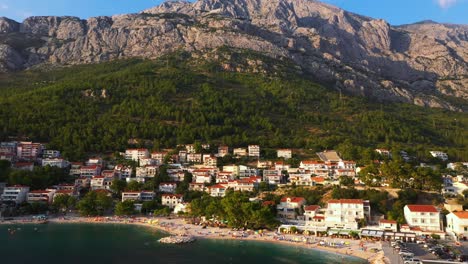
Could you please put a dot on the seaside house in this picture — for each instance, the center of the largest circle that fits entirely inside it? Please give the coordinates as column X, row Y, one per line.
column 310, row 211
column 171, row 200
column 181, row 208
column 41, row 196
column 457, row 224
column 347, row 213
column 141, row 196
column 425, row 217
column 388, row 225
column 290, row 207
column 17, row 194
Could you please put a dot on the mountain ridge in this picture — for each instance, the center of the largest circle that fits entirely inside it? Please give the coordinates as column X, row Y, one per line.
column 423, row 63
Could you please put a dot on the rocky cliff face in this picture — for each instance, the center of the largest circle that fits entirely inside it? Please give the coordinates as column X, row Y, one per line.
column 423, row 63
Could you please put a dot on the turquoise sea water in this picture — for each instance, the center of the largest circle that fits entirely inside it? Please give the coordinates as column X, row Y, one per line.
column 88, row 243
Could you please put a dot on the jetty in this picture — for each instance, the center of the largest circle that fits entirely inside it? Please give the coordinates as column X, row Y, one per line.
column 177, row 240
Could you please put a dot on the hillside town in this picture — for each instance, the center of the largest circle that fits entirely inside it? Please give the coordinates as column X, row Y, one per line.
column 165, row 179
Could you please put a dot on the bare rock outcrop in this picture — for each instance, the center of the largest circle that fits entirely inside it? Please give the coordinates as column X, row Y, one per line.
column 422, row 63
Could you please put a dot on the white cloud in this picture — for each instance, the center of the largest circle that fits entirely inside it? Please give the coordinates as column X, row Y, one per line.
column 446, row 3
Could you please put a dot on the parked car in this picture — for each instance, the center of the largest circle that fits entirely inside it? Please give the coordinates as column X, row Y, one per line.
column 413, row 261
column 408, row 254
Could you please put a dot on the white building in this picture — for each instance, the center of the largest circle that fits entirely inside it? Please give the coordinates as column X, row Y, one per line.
column 16, row 193
column 310, row 211
column 218, row 190
column 245, row 184
column 136, row 154
column 223, row 151
column 202, row 176
column 143, row 196
column 457, row 222
column 29, row 151
column 194, row 158
column 346, row 213
column 254, row 151
column 181, row 208
column 284, row 153
column 50, row 154
column 90, row 171
column 55, row 162
column 288, row 206
column 439, row 154
column 167, row 187
column 210, row 161
column 388, row 225
column 272, row 176
column 41, row 196
column 426, row 217
column 101, row 183
column 384, row 152
column 172, row 200
column 159, row 156
column 240, row 152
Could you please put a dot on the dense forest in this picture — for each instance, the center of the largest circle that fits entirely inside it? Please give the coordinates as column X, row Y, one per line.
column 177, row 99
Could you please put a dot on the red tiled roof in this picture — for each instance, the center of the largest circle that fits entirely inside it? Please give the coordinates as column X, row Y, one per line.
column 218, row 186
column 318, row 179
column 64, row 191
column 319, row 217
column 347, row 201
column 268, row 203
column 422, row 208
column 461, row 215
column 40, row 191
column 311, row 207
column 309, row 162
column 92, row 167
column 172, row 195
column 168, row 183
column 293, row 199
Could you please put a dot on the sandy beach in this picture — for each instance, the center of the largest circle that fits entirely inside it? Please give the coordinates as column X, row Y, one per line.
column 178, row 226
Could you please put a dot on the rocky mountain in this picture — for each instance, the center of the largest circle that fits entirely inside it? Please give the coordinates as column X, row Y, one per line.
column 424, row 63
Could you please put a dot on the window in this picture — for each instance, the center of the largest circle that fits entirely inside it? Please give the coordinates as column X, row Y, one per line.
column 466, row 228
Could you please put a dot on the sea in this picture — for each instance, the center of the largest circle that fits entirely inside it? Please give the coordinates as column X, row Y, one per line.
column 127, row 244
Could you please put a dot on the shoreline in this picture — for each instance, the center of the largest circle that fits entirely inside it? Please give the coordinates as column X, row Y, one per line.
column 177, row 226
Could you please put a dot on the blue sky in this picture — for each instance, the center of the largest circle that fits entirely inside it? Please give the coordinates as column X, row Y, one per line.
column 395, row 11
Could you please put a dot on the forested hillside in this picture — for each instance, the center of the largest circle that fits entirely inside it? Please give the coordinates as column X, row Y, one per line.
column 178, row 99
